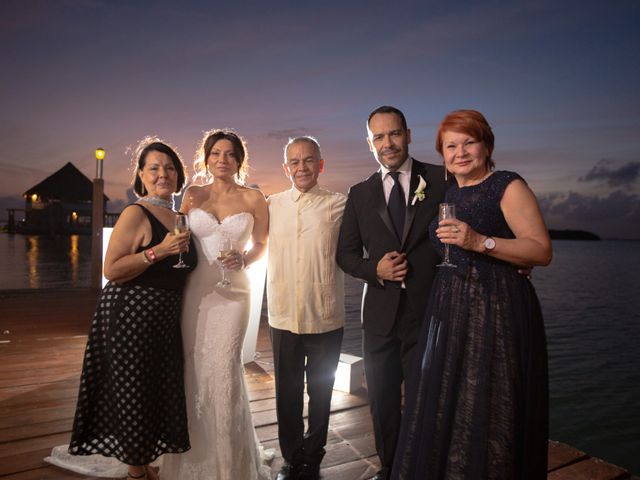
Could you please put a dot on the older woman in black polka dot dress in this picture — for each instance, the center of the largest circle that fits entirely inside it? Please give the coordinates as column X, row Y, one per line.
column 131, row 404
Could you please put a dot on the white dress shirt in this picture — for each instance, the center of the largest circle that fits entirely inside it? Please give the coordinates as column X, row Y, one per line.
column 404, row 177
column 305, row 286
column 405, row 183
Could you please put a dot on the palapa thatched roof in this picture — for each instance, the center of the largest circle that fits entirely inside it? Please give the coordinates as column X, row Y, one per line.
column 67, row 185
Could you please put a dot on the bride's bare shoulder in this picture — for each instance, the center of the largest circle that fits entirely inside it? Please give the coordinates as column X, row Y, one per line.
column 197, row 190
column 253, row 195
column 194, row 196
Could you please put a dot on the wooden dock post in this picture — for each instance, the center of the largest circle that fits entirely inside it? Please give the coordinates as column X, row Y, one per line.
column 97, row 222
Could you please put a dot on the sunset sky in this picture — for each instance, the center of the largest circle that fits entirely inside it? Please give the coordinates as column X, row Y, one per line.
column 559, row 81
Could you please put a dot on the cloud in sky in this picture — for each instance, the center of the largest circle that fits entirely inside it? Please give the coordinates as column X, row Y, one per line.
column 614, row 177
column 614, row 215
column 613, row 212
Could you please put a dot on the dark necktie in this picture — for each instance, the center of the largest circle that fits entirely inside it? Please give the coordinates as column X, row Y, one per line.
column 397, row 206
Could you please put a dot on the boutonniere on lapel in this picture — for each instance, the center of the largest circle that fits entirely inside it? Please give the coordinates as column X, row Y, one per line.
column 419, row 194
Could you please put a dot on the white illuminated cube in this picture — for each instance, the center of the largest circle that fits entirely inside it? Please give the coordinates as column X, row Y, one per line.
column 349, row 373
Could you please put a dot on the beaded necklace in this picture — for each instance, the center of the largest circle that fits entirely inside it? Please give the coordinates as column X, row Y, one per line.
column 159, row 202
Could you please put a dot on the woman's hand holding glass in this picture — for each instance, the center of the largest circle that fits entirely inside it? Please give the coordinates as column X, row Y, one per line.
column 233, row 260
column 446, row 211
column 172, row 244
column 181, row 227
column 230, row 259
column 452, row 231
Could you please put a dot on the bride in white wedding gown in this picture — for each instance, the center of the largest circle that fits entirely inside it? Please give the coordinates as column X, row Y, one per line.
column 214, row 321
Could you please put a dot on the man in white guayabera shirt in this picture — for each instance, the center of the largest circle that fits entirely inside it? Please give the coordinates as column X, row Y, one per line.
column 305, row 291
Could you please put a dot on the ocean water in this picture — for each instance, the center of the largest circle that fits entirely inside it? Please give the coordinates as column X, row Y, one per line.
column 38, row 261
column 590, row 296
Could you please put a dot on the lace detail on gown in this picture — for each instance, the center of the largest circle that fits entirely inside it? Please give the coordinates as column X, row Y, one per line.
column 94, row 465
column 214, row 322
column 476, row 405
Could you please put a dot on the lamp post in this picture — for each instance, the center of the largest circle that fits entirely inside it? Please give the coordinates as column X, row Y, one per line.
column 97, row 222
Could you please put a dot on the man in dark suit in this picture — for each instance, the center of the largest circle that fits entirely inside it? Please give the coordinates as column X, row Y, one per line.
column 384, row 241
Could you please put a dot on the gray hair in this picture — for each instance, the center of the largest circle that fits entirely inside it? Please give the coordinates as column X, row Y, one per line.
column 303, row 138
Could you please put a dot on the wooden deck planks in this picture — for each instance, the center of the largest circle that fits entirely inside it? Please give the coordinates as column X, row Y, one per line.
column 589, row 469
column 39, row 378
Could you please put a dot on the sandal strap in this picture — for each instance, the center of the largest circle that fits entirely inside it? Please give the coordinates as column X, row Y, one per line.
column 150, row 471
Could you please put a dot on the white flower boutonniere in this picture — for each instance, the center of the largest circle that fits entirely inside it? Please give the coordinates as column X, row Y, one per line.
column 419, row 193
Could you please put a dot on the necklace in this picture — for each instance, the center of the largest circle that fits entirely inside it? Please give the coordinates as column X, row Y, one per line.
column 158, row 202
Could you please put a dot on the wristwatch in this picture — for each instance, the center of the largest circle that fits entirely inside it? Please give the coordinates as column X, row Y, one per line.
column 489, row 244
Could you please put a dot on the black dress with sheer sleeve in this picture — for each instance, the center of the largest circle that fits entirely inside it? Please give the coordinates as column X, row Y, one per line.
column 477, row 403
column 131, row 403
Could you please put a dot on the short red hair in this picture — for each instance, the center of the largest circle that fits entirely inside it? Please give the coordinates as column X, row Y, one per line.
column 469, row 122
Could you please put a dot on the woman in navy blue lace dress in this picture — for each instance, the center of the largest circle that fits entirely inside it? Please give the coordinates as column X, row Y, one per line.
column 477, row 405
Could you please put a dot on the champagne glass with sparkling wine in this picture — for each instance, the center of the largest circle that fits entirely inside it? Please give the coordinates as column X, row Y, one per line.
column 181, row 226
column 446, row 211
column 226, row 248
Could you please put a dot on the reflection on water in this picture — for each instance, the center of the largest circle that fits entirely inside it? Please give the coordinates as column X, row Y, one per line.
column 74, row 254
column 37, row 261
column 32, row 255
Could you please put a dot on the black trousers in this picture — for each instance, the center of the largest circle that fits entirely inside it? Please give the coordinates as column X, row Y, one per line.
column 388, row 361
column 316, row 354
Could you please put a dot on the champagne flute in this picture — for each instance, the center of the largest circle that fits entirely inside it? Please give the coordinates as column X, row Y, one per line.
column 226, row 248
column 181, row 225
column 446, row 211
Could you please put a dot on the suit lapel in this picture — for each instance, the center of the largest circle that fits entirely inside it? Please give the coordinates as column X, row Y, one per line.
column 416, row 169
column 379, row 203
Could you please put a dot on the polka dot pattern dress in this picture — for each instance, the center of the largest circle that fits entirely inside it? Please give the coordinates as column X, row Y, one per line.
column 131, row 403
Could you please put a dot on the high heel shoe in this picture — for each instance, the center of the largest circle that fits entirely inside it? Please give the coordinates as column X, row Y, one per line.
column 151, row 473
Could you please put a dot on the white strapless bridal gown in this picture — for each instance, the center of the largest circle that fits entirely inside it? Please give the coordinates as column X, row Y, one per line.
column 214, row 320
